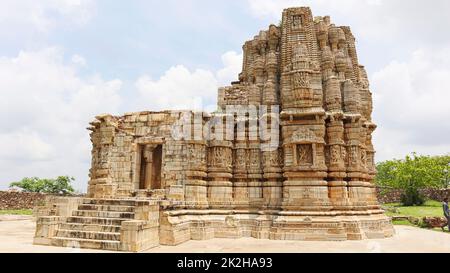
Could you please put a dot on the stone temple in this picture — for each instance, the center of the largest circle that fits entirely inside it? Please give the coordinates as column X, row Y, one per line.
column 164, row 178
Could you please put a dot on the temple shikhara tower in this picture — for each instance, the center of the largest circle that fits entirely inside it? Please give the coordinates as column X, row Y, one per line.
column 164, row 178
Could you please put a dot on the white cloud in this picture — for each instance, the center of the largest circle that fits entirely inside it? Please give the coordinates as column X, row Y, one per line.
column 44, row 15
column 412, row 105
column 46, row 106
column 44, row 111
column 24, row 145
column 78, row 60
column 180, row 88
column 274, row 8
column 373, row 20
column 232, row 62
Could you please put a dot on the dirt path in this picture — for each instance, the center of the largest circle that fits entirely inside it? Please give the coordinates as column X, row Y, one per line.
column 16, row 235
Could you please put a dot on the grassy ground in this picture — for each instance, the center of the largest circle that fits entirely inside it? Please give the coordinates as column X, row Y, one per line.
column 429, row 209
column 16, row 212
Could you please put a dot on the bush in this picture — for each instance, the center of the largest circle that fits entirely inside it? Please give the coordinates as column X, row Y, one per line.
column 60, row 185
column 412, row 197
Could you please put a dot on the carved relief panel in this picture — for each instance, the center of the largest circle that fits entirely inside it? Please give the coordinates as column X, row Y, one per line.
column 302, row 92
column 297, row 21
column 335, row 154
column 240, row 159
column 371, row 161
column 303, row 147
column 220, row 157
column 272, row 159
column 363, row 158
column 305, row 154
column 344, row 155
column 354, row 156
column 301, row 80
column 104, row 154
column 196, row 155
column 254, row 159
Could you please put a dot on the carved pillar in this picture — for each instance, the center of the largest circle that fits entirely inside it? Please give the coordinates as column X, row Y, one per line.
column 336, row 149
column 358, row 189
column 240, row 175
column 220, row 187
column 271, row 164
column 270, row 92
column 273, row 185
column 254, row 174
column 196, row 185
column 336, row 157
column 370, row 169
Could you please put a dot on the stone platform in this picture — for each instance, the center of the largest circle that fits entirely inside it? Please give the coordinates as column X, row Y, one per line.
column 118, row 225
column 137, row 225
column 16, row 236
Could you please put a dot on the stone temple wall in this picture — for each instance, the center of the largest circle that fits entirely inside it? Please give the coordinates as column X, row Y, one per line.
column 311, row 180
column 115, row 154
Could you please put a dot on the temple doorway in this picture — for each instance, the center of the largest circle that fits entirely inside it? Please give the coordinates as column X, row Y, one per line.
column 150, row 167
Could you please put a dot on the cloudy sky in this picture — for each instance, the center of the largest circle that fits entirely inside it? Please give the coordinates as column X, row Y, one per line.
column 64, row 61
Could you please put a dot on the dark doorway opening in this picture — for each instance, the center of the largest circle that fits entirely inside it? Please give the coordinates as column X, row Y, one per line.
column 150, row 167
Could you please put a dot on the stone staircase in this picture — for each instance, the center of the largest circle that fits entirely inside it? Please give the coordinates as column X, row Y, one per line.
column 96, row 224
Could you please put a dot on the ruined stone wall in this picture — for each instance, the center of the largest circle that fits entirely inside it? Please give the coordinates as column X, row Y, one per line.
column 19, row 200
column 386, row 195
column 116, row 151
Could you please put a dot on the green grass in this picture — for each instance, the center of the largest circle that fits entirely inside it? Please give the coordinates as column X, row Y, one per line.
column 16, row 212
column 429, row 209
column 402, row 223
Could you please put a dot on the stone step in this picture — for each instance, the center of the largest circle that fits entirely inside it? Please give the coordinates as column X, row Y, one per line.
column 110, row 202
column 95, row 220
column 90, row 227
column 91, row 235
column 103, row 214
column 86, row 243
column 116, row 208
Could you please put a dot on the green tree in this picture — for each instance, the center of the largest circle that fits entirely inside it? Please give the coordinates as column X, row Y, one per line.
column 60, row 185
column 413, row 174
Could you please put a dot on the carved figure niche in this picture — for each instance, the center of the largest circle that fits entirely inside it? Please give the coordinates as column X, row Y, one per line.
column 297, row 21
column 150, row 167
column 305, row 155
